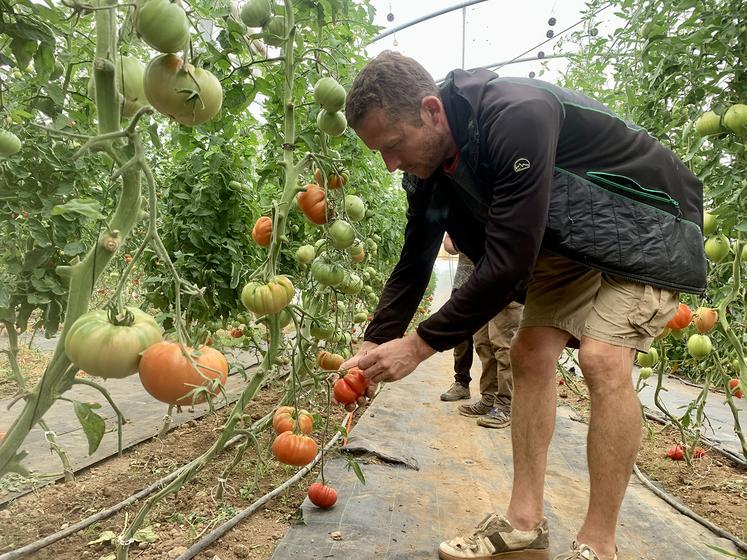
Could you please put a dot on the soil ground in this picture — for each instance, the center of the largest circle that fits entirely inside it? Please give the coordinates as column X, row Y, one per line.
column 713, row 487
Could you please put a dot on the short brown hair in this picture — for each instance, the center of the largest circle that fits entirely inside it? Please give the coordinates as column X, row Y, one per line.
column 394, row 82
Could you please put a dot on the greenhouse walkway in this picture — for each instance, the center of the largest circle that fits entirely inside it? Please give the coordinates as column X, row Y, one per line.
column 432, row 474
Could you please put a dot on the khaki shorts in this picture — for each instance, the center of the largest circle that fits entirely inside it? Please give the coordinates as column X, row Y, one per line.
column 587, row 302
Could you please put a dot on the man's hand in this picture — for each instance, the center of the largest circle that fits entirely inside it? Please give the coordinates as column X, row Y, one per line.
column 395, row 359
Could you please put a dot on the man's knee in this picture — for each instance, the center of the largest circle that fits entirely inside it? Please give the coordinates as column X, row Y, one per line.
column 605, row 366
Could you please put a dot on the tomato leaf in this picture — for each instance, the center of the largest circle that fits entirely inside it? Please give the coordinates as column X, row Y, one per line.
column 353, row 464
column 84, row 206
column 92, row 423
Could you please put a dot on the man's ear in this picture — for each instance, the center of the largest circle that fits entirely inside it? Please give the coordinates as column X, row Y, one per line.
column 431, row 109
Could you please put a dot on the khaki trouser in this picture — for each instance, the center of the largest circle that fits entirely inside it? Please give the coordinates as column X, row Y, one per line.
column 492, row 344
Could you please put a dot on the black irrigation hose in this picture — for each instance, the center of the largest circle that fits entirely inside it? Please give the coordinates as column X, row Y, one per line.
column 740, row 544
column 54, row 537
column 104, row 514
column 217, row 533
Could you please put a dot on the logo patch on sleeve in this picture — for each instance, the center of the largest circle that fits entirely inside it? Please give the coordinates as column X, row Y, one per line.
column 521, row 164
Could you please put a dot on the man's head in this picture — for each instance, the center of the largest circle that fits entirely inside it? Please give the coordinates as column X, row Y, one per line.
column 395, row 108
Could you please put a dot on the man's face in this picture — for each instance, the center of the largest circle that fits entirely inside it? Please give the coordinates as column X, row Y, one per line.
column 415, row 150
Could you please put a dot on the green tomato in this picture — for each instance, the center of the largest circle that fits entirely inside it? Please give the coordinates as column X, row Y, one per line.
column 699, row 346
column 10, row 144
column 735, row 119
column 275, row 27
column 322, row 329
column 717, row 247
column 333, row 124
column 341, row 234
column 355, row 208
column 645, row 373
column 269, row 298
column 707, row 124
column 710, row 221
column 329, row 94
column 360, row 317
column 305, row 254
column 256, row 13
column 163, row 25
column 649, row 359
column 327, row 273
column 189, row 95
column 104, row 349
column 351, row 285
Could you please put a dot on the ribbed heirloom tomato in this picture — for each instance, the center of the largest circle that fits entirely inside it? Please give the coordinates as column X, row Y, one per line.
column 313, row 204
column 322, row 496
column 294, row 449
column 328, row 360
column 262, row 231
column 256, row 13
column 169, row 376
column 326, row 272
column 349, row 387
column 286, row 417
column 705, row 319
column 163, row 25
column 268, row 298
column 110, row 347
column 681, row 318
column 189, row 95
column 699, row 346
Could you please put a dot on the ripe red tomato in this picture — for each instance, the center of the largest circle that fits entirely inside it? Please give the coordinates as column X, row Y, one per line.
column 351, row 386
column 294, row 449
column 736, row 388
column 682, row 318
column 676, row 453
column 322, row 496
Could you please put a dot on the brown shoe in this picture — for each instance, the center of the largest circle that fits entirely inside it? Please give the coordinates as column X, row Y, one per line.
column 483, row 406
column 496, row 539
column 495, row 418
column 581, row 552
column 455, row 393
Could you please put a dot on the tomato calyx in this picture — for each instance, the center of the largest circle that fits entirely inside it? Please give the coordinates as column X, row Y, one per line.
column 118, row 319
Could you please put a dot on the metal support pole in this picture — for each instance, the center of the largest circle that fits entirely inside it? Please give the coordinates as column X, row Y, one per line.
column 464, row 32
column 425, row 18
